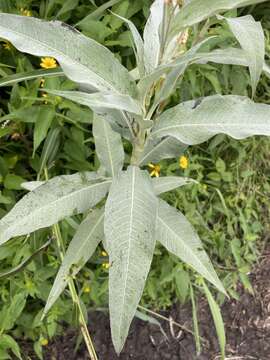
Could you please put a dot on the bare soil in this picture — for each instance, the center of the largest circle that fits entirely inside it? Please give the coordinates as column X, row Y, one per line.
column 247, row 327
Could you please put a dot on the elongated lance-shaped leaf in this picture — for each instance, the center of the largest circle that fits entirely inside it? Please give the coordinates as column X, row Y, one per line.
column 228, row 56
column 176, row 67
column 250, row 35
column 218, row 321
column 166, row 148
column 30, row 75
column 82, row 59
column 97, row 100
column 172, row 77
column 109, row 147
column 153, row 35
column 130, row 216
column 168, row 183
column 177, row 235
column 138, row 44
column 194, row 122
column 83, row 245
column 58, row 198
column 196, row 11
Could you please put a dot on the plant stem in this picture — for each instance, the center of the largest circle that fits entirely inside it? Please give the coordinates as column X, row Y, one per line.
column 73, row 291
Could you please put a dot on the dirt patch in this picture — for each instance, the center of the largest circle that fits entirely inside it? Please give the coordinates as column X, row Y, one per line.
column 247, row 326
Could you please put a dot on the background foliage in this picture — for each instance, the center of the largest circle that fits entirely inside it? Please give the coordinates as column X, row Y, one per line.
column 229, row 206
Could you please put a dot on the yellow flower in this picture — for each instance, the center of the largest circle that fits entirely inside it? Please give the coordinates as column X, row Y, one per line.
column 155, row 170
column 25, row 12
column 183, row 162
column 86, row 289
column 7, row 45
column 106, row 266
column 45, row 95
column 103, row 253
column 48, row 63
column 44, row 342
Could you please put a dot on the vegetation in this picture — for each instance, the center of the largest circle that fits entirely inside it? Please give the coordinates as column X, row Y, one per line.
column 57, row 150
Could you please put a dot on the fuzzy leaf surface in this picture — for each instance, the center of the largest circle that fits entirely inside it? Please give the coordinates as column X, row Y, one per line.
column 177, row 235
column 83, row 245
column 82, row 59
column 109, row 147
column 194, row 122
column 130, row 217
column 51, row 202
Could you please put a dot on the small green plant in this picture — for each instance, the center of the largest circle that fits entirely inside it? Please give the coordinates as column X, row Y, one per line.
column 133, row 106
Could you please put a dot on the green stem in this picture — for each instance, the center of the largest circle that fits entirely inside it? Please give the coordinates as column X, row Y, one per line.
column 72, row 289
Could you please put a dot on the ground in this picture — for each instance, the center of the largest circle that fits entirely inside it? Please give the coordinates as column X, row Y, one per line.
column 247, row 327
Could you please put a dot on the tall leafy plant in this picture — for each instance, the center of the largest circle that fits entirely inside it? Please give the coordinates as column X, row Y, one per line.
column 130, row 106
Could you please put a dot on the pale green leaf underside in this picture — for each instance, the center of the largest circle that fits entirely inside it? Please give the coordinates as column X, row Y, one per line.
column 138, row 44
column 51, row 202
column 130, row 216
column 82, row 59
column 198, row 10
column 101, row 100
column 194, row 122
column 83, row 245
column 32, row 185
column 250, row 35
column 168, row 183
column 109, row 147
column 152, row 36
column 177, row 235
column 228, row 56
column 166, row 148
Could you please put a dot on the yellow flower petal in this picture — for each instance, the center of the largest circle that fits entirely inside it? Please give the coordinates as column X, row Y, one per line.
column 87, row 289
column 44, row 342
column 183, row 162
column 48, row 63
column 155, row 170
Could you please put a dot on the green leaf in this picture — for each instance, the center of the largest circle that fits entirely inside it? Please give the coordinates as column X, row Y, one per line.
column 130, row 216
column 30, row 75
column 250, row 35
column 45, row 117
column 98, row 12
column 7, row 342
column 109, row 146
column 58, row 198
column 100, row 100
column 153, row 36
column 50, row 148
column 91, row 65
column 11, row 311
column 217, row 317
column 194, row 122
column 13, row 182
column 83, row 245
column 67, row 6
column 198, row 10
column 167, row 148
column 195, row 321
column 177, row 235
column 168, row 183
